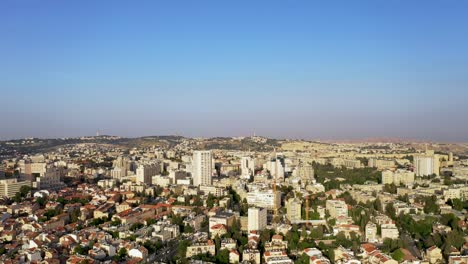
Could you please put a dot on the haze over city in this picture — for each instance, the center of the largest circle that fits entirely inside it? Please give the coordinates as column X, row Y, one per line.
column 302, row 69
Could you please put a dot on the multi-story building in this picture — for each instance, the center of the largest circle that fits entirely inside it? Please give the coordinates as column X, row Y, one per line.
column 389, row 230
column 266, row 199
column 38, row 168
column 371, row 232
column 305, row 172
column 277, row 257
column 123, row 162
column 293, row 209
column 398, row 177
column 175, row 175
column 121, row 168
column 346, row 229
column 434, row 255
column 247, row 166
column 107, row 183
column 145, row 172
column 50, row 179
column 202, row 168
column 276, row 166
column 131, row 216
column 118, row 173
column 458, row 259
column 257, row 218
column 208, row 247
column 348, row 163
column 337, row 208
column 216, row 191
column 24, row 167
column 426, row 164
column 251, row 255
column 381, row 163
column 9, row 187
column 452, row 193
column 223, row 218
column 195, row 221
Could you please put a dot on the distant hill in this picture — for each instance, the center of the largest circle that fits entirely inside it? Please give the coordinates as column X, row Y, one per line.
column 35, row 145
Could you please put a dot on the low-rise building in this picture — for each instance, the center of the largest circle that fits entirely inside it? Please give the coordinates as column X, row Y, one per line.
column 207, row 247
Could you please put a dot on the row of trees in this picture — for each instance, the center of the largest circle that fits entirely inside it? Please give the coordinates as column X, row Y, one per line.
column 331, row 177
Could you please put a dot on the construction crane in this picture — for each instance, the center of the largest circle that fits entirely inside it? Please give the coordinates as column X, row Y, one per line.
column 307, row 210
column 274, row 188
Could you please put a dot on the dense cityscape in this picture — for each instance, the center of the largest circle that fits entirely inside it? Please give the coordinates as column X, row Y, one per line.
column 233, row 132
column 172, row 199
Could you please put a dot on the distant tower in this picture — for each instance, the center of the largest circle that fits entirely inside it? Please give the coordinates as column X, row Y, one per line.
column 97, row 133
column 202, row 168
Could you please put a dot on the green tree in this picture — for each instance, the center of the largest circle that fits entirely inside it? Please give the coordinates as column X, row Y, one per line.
column 457, row 204
column 121, row 255
column 430, row 205
column 188, row 229
column 302, row 259
column 217, row 241
column 116, row 222
column 25, row 190
column 398, row 255
column 264, row 236
column 378, row 205
column 390, row 188
column 223, row 256
column 151, row 246
column 74, row 216
column 317, row 232
column 150, row 221
column 182, row 250
column 210, row 201
column 390, row 210
column 80, row 250
column 342, row 240
column 136, row 226
column 41, row 201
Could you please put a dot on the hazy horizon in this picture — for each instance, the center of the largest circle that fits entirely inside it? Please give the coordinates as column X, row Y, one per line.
column 328, row 71
column 363, row 140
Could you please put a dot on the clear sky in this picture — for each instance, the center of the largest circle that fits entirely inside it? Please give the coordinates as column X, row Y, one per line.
column 287, row 69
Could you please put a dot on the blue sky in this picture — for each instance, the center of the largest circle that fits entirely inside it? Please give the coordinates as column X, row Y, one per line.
column 294, row 69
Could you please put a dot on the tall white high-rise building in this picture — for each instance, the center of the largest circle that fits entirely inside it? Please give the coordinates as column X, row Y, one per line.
column 202, row 168
column 276, row 167
column 426, row 165
column 257, row 218
column 247, row 166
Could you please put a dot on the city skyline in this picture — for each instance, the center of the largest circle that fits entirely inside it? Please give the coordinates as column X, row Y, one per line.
column 299, row 70
column 234, row 132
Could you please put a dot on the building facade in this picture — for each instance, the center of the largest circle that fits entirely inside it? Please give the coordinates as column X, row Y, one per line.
column 202, row 168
